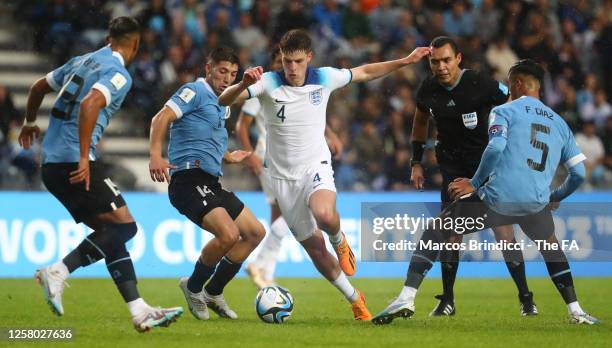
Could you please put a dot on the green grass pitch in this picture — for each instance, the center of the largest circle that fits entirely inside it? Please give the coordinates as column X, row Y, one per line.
column 487, row 316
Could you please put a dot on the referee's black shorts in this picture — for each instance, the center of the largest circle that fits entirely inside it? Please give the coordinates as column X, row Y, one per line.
column 455, row 165
column 194, row 193
column 103, row 195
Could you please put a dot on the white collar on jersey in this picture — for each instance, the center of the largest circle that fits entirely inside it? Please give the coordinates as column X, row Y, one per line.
column 203, row 80
column 117, row 55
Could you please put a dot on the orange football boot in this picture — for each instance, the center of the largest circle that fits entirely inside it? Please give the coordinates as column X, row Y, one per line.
column 346, row 258
column 360, row 311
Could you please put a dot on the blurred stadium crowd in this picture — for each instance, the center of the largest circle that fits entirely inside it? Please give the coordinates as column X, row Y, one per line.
column 573, row 38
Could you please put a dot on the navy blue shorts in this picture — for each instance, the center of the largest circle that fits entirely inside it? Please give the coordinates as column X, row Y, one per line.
column 103, row 195
column 194, row 193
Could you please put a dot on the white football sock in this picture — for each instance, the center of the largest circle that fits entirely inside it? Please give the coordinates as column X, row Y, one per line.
column 137, row 306
column 279, row 228
column 574, row 308
column 407, row 294
column 336, row 239
column 270, row 246
column 345, row 287
column 61, row 268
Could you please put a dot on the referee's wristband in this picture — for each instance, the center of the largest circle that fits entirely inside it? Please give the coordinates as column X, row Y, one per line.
column 418, row 148
column 30, row 124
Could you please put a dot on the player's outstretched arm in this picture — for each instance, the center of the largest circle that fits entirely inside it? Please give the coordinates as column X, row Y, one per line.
column 238, row 92
column 89, row 110
column 158, row 166
column 30, row 130
column 375, row 70
column 243, row 125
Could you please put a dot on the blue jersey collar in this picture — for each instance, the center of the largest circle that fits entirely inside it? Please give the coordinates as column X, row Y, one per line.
column 312, row 77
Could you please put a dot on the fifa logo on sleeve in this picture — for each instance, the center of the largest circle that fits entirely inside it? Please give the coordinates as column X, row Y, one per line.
column 316, row 97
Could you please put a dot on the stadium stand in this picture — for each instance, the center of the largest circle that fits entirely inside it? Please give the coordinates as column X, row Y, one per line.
column 572, row 37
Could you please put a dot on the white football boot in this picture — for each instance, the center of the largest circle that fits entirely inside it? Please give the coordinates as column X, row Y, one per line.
column 195, row 301
column 218, row 305
column 53, row 282
column 152, row 317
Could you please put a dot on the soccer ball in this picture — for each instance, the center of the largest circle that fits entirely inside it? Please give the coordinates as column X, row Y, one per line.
column 274, row 304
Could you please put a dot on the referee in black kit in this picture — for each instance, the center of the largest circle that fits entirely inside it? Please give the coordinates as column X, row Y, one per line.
column 459, row 101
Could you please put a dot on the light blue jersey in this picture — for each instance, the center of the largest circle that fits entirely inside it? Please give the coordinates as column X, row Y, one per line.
column 198, row 138
column 534, row 141
column 103, row 70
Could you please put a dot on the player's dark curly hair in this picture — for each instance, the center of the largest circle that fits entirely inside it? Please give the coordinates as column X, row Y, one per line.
column 528, row 67
column 119, row 28
column 223, row 54
column 295, row 40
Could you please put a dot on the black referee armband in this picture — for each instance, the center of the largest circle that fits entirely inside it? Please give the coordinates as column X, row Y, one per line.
column 418, row 147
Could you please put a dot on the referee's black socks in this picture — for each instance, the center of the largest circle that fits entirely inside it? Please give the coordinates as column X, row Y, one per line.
column 449, row 263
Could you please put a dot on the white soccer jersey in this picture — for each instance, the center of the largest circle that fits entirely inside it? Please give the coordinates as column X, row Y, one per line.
column 252, row 107
column 295, row 119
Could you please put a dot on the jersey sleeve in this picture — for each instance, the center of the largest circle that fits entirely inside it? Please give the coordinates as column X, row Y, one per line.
column 55, row 78
column 183, row 101
column 497, row 92
column 251, row 107
column 258, row 88
column 571, row 154
column 333, row 78
column 114, row 85
column 499, row 121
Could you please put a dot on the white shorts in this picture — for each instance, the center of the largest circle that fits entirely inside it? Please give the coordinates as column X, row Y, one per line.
column 293, row 196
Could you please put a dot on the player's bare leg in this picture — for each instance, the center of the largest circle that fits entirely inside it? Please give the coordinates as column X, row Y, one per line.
column 220, row 224
column 251, row 233
column 322, row 203
column 111, row 231
column 328, row 266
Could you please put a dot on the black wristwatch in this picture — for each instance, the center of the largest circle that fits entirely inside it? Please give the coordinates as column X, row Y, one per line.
column 414, row 162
